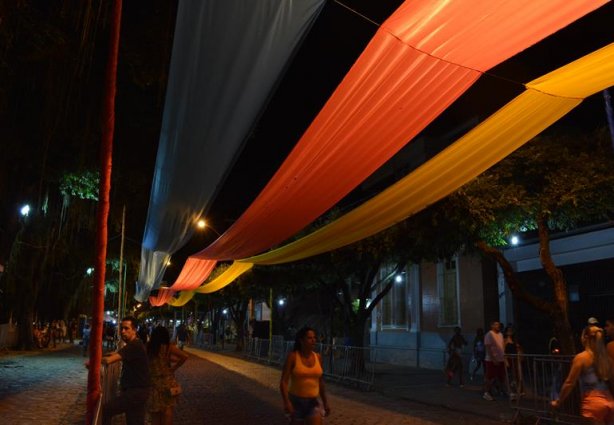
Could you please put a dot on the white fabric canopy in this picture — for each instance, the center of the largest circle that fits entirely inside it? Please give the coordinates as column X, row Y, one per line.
column 227, row 57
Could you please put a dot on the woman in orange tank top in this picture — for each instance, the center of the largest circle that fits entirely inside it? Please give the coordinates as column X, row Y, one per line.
column 301, row 381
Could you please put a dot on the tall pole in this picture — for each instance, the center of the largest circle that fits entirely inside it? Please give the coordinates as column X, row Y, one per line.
column 271, row 323
column 121, row 282
column 102, row 215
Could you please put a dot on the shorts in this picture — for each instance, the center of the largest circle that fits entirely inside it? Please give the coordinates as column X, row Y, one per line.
column 304, row 407
column 495, row 370
column 598, row 406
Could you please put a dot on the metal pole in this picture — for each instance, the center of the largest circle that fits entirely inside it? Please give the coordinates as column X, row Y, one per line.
column 121, row 282
column 271, row 324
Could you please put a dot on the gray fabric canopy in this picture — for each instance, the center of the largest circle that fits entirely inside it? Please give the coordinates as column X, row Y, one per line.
column 227, row 56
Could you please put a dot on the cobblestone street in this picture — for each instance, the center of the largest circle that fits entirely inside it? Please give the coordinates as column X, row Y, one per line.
column 49, row 388
column 235, row 391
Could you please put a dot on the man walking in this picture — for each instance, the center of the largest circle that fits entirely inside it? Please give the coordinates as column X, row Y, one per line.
column 134, row 381
column 495, row 359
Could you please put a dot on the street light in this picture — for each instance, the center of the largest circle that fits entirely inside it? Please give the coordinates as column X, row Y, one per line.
column 514, row 240
column 24, row 210
column 202, row 224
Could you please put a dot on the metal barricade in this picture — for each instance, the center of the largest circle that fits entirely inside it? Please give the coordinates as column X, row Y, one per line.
column 109, row 385
column 534, row 381
column 344, row 364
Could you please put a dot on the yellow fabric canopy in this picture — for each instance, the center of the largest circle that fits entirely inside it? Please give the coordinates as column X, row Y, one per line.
column 226, row 278
column 182, row 299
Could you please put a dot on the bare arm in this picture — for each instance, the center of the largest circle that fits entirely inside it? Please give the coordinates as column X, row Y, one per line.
column 111, row 358
column 576, row 368
column 323, row 390
column 610, row 349
column 285, row 379
column 178, row 356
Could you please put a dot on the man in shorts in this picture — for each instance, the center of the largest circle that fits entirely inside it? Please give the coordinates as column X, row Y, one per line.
column 495, row 359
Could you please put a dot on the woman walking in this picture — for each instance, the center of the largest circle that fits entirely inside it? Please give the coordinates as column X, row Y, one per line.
column 594, row 370
column 164, row 359
column 301, row 381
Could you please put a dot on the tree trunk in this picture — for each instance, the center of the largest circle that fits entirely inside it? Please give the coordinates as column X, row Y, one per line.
column 560, row 314
column 557, row 310
column 106, row 155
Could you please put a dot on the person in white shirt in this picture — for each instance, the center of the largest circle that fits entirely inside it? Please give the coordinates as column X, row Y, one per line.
column 495, row 359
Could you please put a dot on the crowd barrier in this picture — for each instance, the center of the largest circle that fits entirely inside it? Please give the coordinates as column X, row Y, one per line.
column 109, row 385
column 348, row 365
column 534, row 381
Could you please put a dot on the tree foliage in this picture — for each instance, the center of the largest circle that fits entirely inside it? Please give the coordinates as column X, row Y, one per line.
column 557, row 182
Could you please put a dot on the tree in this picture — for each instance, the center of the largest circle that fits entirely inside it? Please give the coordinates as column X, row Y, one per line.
column 554, row 183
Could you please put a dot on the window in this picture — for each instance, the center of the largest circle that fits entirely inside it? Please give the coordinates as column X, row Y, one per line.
column 447, row 284
column 394, row 304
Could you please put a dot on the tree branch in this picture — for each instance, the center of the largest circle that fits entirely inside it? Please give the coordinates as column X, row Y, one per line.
column 517, row 288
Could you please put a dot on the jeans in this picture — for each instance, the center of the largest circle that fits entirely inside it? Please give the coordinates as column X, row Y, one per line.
column 131, row 402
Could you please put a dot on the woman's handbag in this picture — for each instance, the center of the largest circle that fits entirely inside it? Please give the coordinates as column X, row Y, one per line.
column 175, row 389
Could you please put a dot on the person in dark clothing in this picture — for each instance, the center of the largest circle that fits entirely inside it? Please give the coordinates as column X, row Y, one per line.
column 183, row 337
column 455, row 360
column 135, row 380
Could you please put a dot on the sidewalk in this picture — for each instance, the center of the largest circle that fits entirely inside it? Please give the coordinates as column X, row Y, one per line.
column 428, row 386
column 425, row 386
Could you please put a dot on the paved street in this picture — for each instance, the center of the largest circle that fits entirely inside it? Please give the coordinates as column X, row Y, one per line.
column 49, row 388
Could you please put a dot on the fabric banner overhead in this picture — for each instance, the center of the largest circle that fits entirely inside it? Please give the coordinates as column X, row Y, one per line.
column 164, row 295
column 420, row 60
column 227, row 56
column 546, row 100
column 423, row 57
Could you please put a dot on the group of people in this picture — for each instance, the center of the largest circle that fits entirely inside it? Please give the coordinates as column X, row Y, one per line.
column 489, row 352
column 47, row 335
column 593, row 368
column 148, row 373
column 147, row 381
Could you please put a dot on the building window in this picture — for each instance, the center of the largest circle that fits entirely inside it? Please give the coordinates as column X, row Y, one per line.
column 394, row 304
column 447, row 284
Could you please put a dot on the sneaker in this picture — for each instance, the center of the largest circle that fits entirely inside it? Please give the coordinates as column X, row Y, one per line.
column 488, row 397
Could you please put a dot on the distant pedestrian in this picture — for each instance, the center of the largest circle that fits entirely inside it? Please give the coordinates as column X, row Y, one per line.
column 85, row 340
column 134, row 380
column 164, row 359
column 479, row 352
column 72, row 331
column 301, row 381
column 513, row 355
column 455, row 357
column 494, row 360
column 182, row 336
column 593, row 369
column 143, row 333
